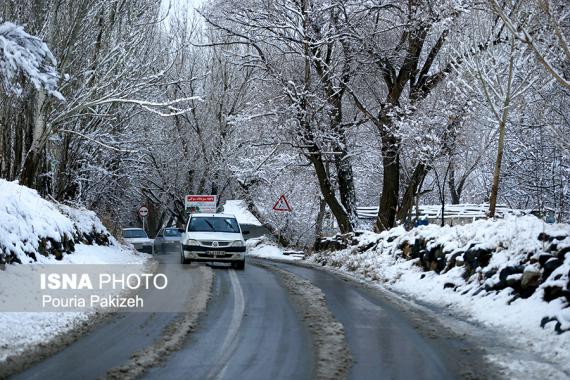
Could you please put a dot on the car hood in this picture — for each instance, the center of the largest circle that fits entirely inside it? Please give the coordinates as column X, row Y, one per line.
column 219, row 236
column 139, row 240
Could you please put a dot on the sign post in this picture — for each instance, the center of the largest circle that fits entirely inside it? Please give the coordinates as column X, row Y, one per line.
column 282, row 205
column 143, row 212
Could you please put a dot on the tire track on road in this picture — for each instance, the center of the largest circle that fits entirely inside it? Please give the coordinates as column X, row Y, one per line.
column 250, row 330
column 333, row 359
column 173, row 337
column 230, row 342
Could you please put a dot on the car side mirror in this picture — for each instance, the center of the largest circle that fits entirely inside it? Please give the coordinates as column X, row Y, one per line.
column 181, row 230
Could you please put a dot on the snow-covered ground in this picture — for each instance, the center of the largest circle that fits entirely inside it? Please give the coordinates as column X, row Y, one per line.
column 238, row 208
column 257, row 247
column 35, row 231
column 265, row 249
column 511, row 275
column 20, row 331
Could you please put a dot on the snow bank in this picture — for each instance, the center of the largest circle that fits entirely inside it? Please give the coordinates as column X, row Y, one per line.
column 20, row 331
column 33, row 229
column 242, row 214
column 511, row 274
column 87, row 225
column 263, row 248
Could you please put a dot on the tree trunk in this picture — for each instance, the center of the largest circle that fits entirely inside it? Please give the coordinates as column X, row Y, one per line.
column 19, row 146
column 412, row 189
column 320, row 219
column 345, row 178
column 454, row 190
column 502, row 127
column 34, row 155
column 391, row 182
column 314, row 153
column 327, row 190
column 497, row 173
column 7, row 146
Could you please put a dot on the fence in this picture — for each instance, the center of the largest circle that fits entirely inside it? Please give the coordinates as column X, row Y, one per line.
column 453, row 214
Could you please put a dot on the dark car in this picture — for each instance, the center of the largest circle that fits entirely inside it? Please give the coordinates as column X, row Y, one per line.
column 167, row 240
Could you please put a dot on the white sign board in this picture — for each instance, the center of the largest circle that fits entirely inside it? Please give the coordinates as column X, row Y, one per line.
column 201, row 204
column 143, row 211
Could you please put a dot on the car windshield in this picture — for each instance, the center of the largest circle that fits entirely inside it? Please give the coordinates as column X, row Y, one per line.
column 171, row 232
column 213, row 224
column 133, row 234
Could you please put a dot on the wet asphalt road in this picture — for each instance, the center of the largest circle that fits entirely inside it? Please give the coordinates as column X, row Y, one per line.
column 252, row 330
column 386, row 339
column 115, row 340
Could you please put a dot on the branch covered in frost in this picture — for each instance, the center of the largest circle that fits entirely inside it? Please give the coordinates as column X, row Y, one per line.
column 555, row 28
column 24, row 54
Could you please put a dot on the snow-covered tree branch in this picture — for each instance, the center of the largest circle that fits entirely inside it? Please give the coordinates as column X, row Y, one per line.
column 24, row 55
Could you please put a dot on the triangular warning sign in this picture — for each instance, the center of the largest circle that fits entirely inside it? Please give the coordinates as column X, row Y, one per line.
column 282, row 204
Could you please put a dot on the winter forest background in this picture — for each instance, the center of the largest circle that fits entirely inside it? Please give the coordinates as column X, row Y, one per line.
column 336, row 103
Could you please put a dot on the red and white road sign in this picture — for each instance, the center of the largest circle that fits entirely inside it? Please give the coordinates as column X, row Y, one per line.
column 201, row 203
column 143, row 211
column 282, row 204
column 200, row 198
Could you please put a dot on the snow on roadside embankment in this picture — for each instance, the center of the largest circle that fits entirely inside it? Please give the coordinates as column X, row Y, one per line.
column 265, row 249
column 238, row 208
column 34, row 230
column 510, row 274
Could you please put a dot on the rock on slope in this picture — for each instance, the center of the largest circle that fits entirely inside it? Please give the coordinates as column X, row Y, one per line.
column 514, row 261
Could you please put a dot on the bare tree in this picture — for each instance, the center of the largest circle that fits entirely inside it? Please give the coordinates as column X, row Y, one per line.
column 539, row 24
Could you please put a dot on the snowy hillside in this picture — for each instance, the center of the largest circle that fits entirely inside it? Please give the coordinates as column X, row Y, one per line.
column 238, row 208
column 33, row 229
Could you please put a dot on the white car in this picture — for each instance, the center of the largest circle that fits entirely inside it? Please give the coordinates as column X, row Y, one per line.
column 139, row 239
column 213, row 238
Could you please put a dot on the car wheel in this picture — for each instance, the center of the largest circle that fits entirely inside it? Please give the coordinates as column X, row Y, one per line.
column 183, row 260
column 239, row 265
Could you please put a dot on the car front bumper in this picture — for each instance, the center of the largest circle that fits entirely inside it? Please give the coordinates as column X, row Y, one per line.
column 144, row 248
column 167, row 247
column 225, row 254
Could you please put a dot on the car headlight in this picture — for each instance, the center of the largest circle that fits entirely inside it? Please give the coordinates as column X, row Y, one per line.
column 192, row 242
column 237, row 243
